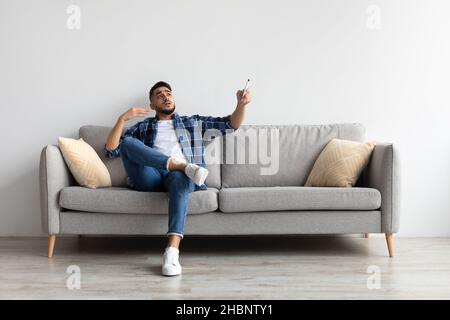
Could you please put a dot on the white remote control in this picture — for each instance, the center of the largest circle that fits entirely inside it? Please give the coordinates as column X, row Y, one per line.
column 246, row 87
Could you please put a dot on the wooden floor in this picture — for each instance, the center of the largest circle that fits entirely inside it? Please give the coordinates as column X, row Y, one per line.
column 228, row 268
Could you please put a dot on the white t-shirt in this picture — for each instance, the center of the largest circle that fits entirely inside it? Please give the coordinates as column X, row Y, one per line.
column 166, row 140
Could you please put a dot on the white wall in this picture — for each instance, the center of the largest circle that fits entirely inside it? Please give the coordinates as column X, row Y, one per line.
column 310, row 61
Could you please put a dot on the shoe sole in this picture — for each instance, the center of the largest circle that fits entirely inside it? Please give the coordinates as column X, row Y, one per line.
column 171, row 275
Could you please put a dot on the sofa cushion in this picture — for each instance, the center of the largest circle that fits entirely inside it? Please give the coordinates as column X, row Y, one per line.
column 96, row 136
column 295, row 147
column 298, row 198
column 340, row 163
column 124, row 200
column 84, row 163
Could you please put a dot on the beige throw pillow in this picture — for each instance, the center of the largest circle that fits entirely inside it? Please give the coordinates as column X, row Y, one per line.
column 340, row 163
column 84, row 163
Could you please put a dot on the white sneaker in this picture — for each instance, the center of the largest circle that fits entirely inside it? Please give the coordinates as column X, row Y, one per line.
column 171, row 265
column 196, row 173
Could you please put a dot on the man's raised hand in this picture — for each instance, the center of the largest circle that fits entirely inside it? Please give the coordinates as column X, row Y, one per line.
column 243, row 98
column 134, row 113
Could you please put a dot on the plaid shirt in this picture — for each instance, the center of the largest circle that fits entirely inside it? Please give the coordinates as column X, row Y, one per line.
column 190, row 132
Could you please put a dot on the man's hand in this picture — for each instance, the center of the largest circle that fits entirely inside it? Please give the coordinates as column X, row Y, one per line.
column 134, row 113
column 243, row 98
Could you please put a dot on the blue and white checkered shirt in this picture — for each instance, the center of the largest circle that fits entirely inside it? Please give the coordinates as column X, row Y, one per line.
column 190, row 131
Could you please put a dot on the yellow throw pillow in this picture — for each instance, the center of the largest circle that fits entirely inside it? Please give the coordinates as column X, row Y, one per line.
column 340, row 163
column 86, row 166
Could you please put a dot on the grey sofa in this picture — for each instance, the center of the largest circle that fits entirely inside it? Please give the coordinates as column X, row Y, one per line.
column 239, row 199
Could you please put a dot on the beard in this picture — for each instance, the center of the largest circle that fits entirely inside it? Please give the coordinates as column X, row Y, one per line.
column 168, row 111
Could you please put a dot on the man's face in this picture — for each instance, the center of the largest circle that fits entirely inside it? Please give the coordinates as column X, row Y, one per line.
column 162, row 101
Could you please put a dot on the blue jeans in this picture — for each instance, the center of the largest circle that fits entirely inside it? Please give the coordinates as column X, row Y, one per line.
column 146, row 170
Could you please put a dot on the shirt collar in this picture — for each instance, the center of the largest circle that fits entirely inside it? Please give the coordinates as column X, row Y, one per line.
column 174, row 116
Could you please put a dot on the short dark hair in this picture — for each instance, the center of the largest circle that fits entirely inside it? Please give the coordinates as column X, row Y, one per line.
column 158, row 85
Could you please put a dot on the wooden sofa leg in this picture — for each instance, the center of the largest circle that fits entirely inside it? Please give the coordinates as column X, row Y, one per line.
column 390, row 244
column 51, row 244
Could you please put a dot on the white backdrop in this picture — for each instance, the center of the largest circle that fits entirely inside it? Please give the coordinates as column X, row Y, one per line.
column 382, row 63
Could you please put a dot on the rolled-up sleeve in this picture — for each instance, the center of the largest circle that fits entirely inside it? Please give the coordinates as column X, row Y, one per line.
column 223, row 124
column 112, row 153
column 133, row 131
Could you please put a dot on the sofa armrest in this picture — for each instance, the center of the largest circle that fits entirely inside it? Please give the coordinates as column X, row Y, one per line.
column 53, row 176
column 383, row 174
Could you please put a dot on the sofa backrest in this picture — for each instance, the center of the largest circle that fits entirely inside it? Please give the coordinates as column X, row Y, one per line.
column 298, row 146
column 96, row 137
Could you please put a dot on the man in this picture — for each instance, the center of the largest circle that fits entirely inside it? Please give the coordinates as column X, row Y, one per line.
column 166, row 153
